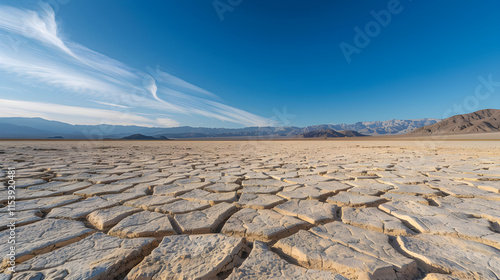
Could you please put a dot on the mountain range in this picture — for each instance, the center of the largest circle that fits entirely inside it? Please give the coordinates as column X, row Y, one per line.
column 38, row 128
column 385, row 127
column 487, row 120
column 330, row 133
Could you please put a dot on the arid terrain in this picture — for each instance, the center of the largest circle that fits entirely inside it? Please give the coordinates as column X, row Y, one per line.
column 319, row 209
column 481, row 121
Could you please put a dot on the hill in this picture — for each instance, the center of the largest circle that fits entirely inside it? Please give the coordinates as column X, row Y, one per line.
column 351, row 133
column 330, row 133
column 487, row 120
column 143, row 137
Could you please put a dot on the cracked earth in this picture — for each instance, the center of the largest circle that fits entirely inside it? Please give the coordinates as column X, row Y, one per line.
column 252, row 210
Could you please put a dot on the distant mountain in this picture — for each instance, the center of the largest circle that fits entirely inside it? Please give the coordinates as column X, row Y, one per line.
column 8, row 130
column 385, row 127
column 487, row 120
column 351, row 133
column 330, row 133
column 143, row 137
column 323, row 133
column 38, row 128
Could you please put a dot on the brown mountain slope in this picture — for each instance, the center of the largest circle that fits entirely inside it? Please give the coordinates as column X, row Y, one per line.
column 487, row 120
column 322, row 133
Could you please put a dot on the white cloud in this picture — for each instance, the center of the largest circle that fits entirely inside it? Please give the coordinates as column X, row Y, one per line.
column 78, row 115
column 177, row 83
column 44, row 56
column 165, row 122
column 40, row 26
column 110, row 104
column 202, row 106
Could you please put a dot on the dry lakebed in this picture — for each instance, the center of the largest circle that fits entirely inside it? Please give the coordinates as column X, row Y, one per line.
column 321, row 209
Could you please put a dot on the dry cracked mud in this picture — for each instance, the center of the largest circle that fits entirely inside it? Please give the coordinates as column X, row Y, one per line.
column 251, row 209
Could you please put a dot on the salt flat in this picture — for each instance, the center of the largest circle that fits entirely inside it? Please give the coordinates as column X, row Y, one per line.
column 320, row 209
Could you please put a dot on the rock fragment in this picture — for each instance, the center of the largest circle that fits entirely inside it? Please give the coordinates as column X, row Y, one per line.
column 102, row 189
column 261, row 189
column 463, row 190
column 374, row 219
column 412, row 189
column 44, row 204
column 404, row 197
column 314, row 252
column 259, row 201
column 205, row 221
column 305, row 192
column 80, row 210
column 311, row 211
column 476, row 207
column 180, row 207
column 491, row 186
column 369, row 187
column 264, row 225
column 41, row 237
column 439, row 276
column 262, row 263
column 106, row 218
column 190, row 257
column 370, row 243
column 143, row 224
column 355, row 200
column 223, row 187
column 208, row 197
column 179, row 189
column 463, row 259
column 150, row 202
column 21, row 218
column 440, row 221
column 98, row 256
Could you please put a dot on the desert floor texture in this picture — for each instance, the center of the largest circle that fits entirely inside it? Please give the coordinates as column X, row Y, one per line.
column 251, row 209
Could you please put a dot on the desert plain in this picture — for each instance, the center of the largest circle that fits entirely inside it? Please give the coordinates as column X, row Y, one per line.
column 320, row 209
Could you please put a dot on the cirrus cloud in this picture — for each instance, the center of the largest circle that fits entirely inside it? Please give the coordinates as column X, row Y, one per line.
column 78, row 115
column 32, row 49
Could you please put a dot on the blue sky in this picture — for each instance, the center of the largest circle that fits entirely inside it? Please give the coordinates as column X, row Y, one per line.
column 247, row 62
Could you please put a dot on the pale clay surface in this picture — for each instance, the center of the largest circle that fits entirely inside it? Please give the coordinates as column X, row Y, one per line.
column 253, row 209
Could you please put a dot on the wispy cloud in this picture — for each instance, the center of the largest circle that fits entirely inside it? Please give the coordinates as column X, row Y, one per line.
column 110, row 104
column 40, row 26
column 46, row 57
column 77, row 115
